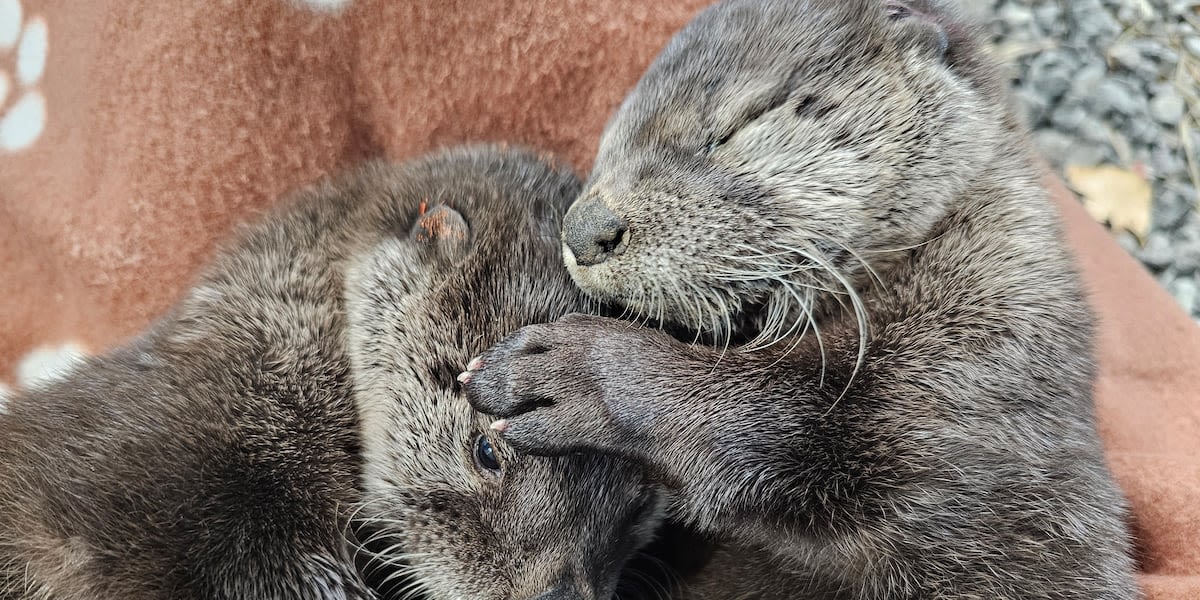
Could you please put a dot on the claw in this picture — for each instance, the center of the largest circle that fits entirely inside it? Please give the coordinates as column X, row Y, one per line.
column 464, row 377
column 475, row 363
column 500, row 426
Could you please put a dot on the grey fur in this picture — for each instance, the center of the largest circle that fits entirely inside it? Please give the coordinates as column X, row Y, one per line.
column 895, row 400
column 217, row 455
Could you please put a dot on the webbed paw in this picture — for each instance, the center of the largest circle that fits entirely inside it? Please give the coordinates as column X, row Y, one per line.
column 567, row 386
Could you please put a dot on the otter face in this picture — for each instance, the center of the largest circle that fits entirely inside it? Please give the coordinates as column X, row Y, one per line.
column 450, row 510
column 776, row 153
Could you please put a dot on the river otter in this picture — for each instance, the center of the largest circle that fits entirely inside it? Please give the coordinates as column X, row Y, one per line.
column 217, row 455
column 891, row 393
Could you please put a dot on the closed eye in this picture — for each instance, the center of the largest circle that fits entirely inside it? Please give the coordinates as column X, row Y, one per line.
column 807, row 106
column 812, row 107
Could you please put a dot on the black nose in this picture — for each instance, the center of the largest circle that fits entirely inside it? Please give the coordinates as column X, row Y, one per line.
column 593, row 233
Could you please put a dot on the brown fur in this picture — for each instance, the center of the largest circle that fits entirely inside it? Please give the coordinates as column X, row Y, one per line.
column 895, row 396
column 293, row 429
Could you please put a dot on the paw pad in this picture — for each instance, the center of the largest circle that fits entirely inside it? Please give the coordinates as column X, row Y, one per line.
column 22, row 105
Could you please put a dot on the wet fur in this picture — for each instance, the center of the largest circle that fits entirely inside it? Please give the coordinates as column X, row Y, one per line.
column 293, row 429
column 895, row 396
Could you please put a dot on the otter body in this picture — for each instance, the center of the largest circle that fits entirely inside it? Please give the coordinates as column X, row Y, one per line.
column 292, row 429
column 892, row 397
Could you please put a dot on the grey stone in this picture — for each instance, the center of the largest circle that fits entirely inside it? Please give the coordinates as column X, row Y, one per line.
column 1068, row 118
column 1015, row 15
column 1089, row 155
column 1177, row 204
column 1047, row 17
column 1129, row 242
column 1157, row 252
column 1103, row 94
column 1054, row 85
column 1093, row 23
column 1037, row 106
column 1192, row 43
column 1062, row 149
column 1167, row 106
column 1167, row 162
column 1086, row 79
column 1177, row 7
column 1184, row 290
column 1143, row 130
column 1157, row 58
column 1189, row 231
column 1129, row 14
column 1187, row 258
column 1166, row 278
column 1128, row 55
column 1054, row 145
column 1118, row 95
column 1094, row 130
column 1186, row 191
column 1050, row 72
column 1169, row 210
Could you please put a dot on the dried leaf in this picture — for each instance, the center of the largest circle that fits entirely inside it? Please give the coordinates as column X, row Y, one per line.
column 1115, row 196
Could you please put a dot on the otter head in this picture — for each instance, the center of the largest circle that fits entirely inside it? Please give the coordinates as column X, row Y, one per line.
column 775, row 153
column 451, row 511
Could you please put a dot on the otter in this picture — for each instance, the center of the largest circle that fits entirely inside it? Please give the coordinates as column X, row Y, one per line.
column 859, row 348
column 293, row 427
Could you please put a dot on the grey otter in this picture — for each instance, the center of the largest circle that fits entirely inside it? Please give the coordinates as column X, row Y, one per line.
column 217, row 455
column 895, row 396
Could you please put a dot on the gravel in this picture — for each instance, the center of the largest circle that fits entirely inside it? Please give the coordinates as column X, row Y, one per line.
column 1116, row 82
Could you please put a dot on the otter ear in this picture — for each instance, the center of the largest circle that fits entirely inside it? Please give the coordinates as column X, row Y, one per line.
column 443, row 231
column 920, row 26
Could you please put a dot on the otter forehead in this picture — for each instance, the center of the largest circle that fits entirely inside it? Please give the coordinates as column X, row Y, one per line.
column 773, row 149
column 738, row 58
column 475, row 257
column 736, row 54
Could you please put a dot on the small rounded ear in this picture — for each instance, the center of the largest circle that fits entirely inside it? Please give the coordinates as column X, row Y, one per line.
column 920, row 26
column 442, row 230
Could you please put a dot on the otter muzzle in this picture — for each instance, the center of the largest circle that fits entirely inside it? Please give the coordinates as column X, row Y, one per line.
column 593, row 233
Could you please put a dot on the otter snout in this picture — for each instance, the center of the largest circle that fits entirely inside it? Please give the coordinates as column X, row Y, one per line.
column 592, row 233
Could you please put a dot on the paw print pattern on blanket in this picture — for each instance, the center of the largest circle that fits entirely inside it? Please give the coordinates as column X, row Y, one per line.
column 22, row 106
column 43, row 365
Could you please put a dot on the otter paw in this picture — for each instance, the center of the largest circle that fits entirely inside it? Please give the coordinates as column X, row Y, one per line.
column 557, row 387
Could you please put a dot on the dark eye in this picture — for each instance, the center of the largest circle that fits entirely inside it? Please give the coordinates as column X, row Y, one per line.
column 714, row 143
column 485, row 455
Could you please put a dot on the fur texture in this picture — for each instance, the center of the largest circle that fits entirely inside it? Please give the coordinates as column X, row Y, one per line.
column 293, row 429
column 894, row 400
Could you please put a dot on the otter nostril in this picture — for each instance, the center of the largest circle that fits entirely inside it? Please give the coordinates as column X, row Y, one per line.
column 613, row 241
column 593, row 233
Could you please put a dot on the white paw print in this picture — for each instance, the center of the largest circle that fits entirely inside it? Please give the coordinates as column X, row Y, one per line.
column 24, row 117
column 41, row 366
column 48, row 363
